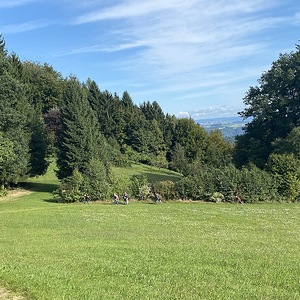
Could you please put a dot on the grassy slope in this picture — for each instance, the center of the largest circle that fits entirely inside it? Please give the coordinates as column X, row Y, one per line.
column 148, row 251
column 152, row 173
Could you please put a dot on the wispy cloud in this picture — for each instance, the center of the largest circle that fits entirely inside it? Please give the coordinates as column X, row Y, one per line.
column 180, row 36
column 189, row 49
column 23, row 27
column 14, row 3
column 129, row 9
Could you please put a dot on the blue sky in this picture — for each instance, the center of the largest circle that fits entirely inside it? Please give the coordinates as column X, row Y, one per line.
column 194, row 57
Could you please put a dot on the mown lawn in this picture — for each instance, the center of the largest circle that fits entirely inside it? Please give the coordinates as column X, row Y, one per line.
column 148, row 251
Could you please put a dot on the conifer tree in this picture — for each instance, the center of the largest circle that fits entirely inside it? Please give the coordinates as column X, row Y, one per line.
column 14, row 120
column 79, row 139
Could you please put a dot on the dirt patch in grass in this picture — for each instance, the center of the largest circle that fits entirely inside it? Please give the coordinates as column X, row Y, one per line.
column 15, row 194
column 7, row 295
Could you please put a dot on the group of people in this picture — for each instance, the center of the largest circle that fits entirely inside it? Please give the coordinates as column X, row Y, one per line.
column 125, row 198
column 157, row 198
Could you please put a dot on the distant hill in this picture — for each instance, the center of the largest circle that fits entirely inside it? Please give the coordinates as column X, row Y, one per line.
column 229, row 126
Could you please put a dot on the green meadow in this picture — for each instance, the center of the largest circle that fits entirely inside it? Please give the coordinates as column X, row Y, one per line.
column 174, row 250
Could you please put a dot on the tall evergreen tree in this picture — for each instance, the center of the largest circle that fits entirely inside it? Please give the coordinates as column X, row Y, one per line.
column 39, row 145
column 80, row 139
column 14, row 120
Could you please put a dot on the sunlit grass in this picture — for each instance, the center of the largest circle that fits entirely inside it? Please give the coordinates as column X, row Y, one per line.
column 148, row 251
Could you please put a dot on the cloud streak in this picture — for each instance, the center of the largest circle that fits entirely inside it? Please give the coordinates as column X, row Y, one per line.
column 23, row 27
column 199, row 33
column 14, row 3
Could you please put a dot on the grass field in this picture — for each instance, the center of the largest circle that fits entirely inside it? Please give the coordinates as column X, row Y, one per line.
column 152, row 174
column 147, row 251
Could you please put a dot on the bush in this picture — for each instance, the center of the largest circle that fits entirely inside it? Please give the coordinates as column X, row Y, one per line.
column 226, row 181
column 191, row 187
column 139, row 186
column 144, row 192
column 166, row 189
column 216, row 197
column 95, row 180
column 257, row 185
column 286, row 171
column 71, row 188
column 3, row 191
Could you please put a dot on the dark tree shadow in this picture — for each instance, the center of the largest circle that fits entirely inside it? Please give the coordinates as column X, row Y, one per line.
column 51, row 200
column 39, row 187
column 161, row 177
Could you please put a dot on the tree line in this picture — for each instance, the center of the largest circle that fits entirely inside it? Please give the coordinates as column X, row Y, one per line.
column 44, row 116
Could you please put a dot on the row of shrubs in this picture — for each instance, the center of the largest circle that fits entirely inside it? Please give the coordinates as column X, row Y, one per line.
column 251, row 184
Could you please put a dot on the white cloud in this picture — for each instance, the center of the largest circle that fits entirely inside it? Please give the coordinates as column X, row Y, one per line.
column 129, row 9
column 183, row 114
column 200, row 49
column 23, row 27
column 210, row 112
column 183, row 36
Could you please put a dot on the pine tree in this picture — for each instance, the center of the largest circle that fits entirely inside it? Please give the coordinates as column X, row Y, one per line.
column 79, row 139
column 14, row 120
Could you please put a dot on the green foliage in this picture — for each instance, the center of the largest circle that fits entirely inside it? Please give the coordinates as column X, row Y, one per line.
column 290, row 144
column 217, row 197
column 274, row 108
column 3, row 50
column 286, row 171
column 3, row 191
column 218, row 151
column 179, row 162
column 226, row 181
column 191, row 187
column 251, row 184
column 7, row 157
column 257, row 185
column 39, row 146
column 72, row 188
column 44, row 85
column 139, row 187
column 166, row 189
column 144, row 192
column 116, row 158
column 191, row 137
column 160, row 160
column 80, row 139
column 96, row 180
column 14, row 119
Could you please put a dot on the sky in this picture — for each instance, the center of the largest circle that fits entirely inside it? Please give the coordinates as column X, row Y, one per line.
column 195, row 58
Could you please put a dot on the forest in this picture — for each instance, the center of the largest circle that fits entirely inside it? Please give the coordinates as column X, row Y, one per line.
column 45, row 117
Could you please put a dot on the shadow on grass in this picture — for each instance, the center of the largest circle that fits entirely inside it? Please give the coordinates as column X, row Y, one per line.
column 40, row 187
column 52, row 200
column 153, row 177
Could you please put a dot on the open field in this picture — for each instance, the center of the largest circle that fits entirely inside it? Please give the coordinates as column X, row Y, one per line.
column 147, row 251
